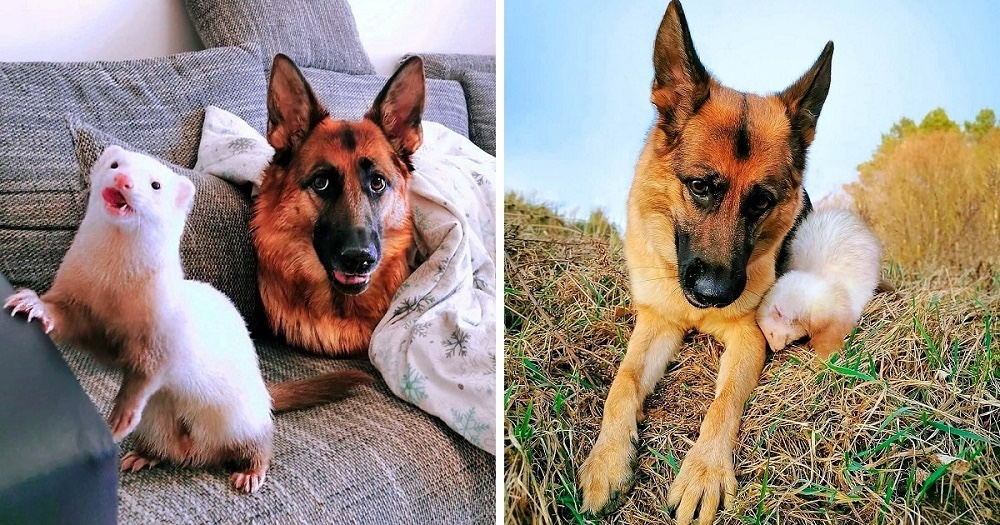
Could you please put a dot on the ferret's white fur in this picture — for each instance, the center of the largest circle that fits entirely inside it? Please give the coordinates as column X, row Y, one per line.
column 211, row 378
column 191, row 386
column 834, row 268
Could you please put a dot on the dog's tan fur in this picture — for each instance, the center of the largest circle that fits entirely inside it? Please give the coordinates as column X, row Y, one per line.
column 295, row 288
column 698, row 119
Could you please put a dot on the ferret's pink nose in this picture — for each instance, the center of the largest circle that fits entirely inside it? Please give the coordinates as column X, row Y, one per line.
column 123, row 181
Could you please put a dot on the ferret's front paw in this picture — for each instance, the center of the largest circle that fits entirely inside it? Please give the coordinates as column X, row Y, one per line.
column 249, row 480
column 134, row 462
column 122, row 421
column 27, row 302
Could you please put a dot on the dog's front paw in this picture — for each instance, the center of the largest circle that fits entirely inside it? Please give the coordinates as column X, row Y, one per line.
column 607, row 475
column 27, row 302
column 707, row 477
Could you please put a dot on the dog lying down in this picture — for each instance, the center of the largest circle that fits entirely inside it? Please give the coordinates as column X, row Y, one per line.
column 835, row 264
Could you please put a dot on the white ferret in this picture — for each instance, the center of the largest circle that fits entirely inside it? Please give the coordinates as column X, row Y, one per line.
column 834, row 269
column 191, row 388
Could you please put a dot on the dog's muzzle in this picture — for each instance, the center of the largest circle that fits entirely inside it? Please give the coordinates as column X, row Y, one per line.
column 710, row 286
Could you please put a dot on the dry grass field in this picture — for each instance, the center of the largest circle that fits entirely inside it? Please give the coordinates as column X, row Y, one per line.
column 932, row 192
column 904, row 427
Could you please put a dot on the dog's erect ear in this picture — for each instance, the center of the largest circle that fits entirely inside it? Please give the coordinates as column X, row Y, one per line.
column 292, row 108
column 680, row 82
column 398, row 108
column 804, row 99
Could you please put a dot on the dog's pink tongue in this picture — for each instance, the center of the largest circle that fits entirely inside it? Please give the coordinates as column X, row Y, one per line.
column 346, row 278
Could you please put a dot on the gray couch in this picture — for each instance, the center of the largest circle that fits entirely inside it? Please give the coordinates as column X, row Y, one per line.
column 372, row 458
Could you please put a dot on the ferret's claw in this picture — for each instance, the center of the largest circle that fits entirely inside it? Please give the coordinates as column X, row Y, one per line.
column 249, row 481
column 122, row 422
column 27, row 302
column 134, row 462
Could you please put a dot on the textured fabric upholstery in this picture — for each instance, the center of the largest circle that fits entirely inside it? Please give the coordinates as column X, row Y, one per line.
column 369, row 459
column 450, row 66
column 155, row 105
column 348, row 97
column 313, row 33
column 481, row 96
column 216, row 247
column 477, row 75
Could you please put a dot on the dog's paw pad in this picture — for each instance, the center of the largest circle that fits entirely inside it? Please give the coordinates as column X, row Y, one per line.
column 606, row 477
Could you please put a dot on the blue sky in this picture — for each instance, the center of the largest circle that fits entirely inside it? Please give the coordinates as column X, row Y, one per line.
column 577, row 79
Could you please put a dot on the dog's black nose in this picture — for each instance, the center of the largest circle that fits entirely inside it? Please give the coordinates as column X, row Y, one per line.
column 710, row 286
column 358, row 260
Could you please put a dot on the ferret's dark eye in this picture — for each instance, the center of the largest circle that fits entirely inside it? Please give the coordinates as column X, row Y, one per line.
column 114, row 165
column 155, row 185
column 378, row 184
column 698, row 187
column 320, row 183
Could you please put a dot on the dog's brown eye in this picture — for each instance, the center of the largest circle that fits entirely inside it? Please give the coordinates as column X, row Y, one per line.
column 320, row 183
column 377, row 184
column 698, row 187
column 155, row 185
column 760, row 203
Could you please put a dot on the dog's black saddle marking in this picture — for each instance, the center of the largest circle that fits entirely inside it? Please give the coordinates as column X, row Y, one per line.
column 785, row 255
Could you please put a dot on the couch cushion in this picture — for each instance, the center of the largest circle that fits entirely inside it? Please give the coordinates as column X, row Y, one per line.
column 51, row 437
column 348, row 97
column 481, row 96
column 477, row 74
column 451, row 65
column 216, row 247
column 156, row 105
column 371, row 458
column 313, row 33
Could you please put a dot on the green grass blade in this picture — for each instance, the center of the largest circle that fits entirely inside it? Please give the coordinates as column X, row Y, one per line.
column 930, row 480
column 850, row 372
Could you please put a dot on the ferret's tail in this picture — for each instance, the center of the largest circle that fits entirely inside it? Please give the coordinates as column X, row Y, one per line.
column 885, row 286
column 316, row 390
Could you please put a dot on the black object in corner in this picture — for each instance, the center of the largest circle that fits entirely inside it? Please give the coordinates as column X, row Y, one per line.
column 58, row 463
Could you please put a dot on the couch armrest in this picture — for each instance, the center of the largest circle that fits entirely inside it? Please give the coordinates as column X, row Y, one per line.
column 58, row 463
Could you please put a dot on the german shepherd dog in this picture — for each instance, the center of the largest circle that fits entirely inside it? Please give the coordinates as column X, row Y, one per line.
column 332, row 224
column 717, row 190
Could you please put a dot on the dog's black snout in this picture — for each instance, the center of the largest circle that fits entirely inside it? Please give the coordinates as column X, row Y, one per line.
column 358, row 260
column 713, row 286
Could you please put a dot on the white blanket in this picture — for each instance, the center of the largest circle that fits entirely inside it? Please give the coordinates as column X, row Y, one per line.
column 436, row 346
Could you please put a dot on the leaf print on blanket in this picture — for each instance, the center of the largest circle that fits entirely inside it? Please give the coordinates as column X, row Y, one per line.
column 458, row 343
column 412, row 305
column 242, row 145
column 413, row 386
column 467, row 424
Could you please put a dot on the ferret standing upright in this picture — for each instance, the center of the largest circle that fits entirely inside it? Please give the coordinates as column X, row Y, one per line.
column 191, row 387
column 834, row 269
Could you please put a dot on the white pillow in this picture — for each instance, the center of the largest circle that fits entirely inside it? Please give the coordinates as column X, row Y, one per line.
column 231, row 149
